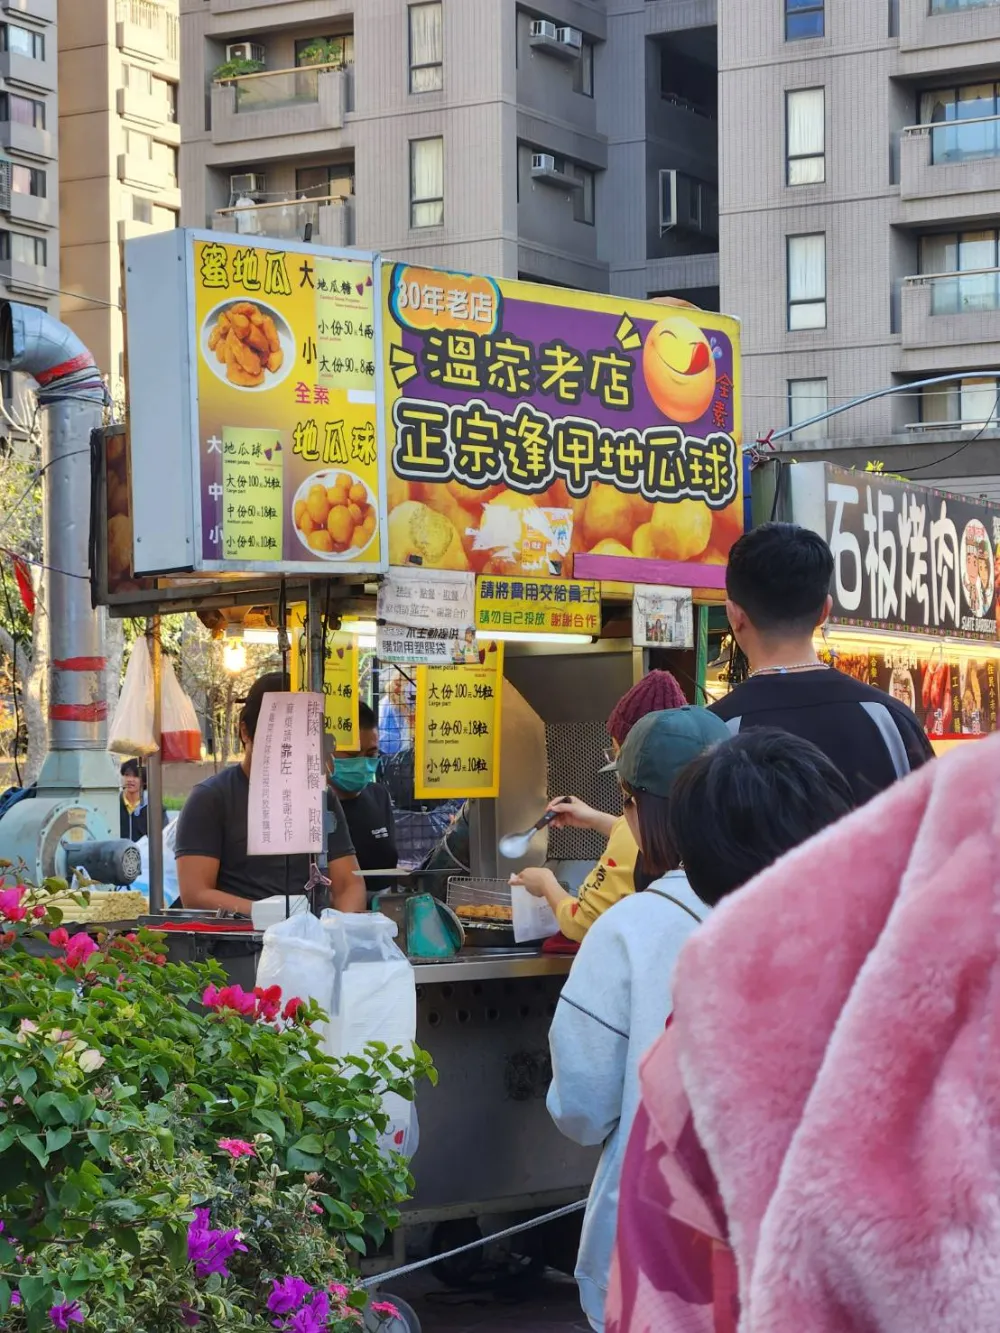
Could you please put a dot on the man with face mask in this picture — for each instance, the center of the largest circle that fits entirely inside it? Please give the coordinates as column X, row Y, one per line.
column 366, row 803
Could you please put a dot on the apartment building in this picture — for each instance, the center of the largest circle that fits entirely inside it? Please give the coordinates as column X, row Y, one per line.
column 565, row 141
column 29, row 148
column 860, row 226
column 119, row 138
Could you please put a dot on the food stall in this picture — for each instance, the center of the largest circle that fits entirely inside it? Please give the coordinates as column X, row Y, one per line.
column 521, row 497
column 916, row 574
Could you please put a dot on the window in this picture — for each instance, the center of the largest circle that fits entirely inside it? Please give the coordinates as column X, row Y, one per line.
column 22, row 110
column 138, row 79
column 142, row 210
column 807, row 282
column 965, row 121
column 971, row 261
column 583, row 199
column 23, row 42
column 170, row 97
column 426, row 182
column 971, row 403
column 325, row 50
column 331, row 181
column 583, row 74
column 807, row 398
column 426, row 48
column 23, row 249
column 138, row 144
column 805, row 136
column 27, row 180
column 803, row 18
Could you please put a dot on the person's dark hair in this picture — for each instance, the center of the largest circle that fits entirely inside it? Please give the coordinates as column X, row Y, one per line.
column 367, row 721
column 131, row 769
column 741, row 806
column 779, row 574
column 275, row 682
column 659, row 854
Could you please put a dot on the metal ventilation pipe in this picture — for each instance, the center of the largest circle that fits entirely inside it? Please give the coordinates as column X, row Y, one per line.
column 71, row 391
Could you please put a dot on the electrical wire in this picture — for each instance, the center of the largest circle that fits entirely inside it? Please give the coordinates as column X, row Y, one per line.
column 990, row 421
column 36, row 478
column 17, row 647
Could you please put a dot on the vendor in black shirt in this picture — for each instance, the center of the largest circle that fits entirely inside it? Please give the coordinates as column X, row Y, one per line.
column 366, row 802
column 777, row 594
column 213, row 868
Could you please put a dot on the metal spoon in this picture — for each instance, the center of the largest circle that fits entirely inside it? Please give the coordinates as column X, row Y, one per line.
column 515, row 845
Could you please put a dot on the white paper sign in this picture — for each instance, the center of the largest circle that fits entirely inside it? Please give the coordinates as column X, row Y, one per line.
column 287, row 783
column 662, row 617
column 533, row 917
column 430, row 598
column 452, row 646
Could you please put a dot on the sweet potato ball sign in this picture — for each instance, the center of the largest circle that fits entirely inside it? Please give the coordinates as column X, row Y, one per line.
column 528, row 426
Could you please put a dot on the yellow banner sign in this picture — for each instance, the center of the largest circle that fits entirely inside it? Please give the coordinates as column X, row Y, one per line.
column 284, row 349
column 340, row 683
column 457, row 742
column 546, row 606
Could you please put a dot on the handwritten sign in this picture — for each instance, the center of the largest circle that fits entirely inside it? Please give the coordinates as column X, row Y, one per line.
column 433, row 599
column 662, row 617
column 287, row 783
column 547, row 606
column 340, row 682
column 457, row 743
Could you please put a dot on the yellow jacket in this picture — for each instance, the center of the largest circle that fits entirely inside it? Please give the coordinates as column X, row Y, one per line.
column 610, row 879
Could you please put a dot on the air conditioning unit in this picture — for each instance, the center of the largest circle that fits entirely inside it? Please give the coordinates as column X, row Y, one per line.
column 542, row 163
column 5, row 173
column 571, row 37
column 687, row 204
column 250, row 185
column 245, row 51
column 543, row 28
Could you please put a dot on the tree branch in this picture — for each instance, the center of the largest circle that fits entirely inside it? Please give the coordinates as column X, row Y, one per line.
column 15, row 651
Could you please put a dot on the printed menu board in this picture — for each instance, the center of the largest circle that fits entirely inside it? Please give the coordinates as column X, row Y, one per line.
column 340, row 683
column 457, row 734
column 951, row 697
column 287, row 411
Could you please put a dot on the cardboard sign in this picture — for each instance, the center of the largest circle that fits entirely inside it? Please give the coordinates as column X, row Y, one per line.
column 287, row 783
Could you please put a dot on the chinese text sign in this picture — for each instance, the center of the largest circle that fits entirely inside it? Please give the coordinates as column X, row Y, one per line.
column 287, row 781
column 526, row 424
column 457, row 735
column 549, row 606
column 287, row 416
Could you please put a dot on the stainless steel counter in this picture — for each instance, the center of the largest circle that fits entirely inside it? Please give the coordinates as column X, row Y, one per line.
column 492, row 964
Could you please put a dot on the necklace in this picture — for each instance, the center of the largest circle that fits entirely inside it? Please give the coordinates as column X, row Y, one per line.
column 784, row 670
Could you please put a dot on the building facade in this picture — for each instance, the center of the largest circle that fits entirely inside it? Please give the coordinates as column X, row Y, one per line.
column 571, row 142
column 29, row 152
column 119, row 137
column 860, row 226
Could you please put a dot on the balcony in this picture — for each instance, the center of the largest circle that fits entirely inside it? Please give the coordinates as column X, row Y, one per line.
column 28, row 279
column 950, row 171
column 947, row 35
column 43, row 11
column 142, row 172
column 950, row 321
column 282, row 103
column 25, row 139
column 331, row 218
column 38, row 75
column 146, row 30
column 32, row 210
column 147, row 109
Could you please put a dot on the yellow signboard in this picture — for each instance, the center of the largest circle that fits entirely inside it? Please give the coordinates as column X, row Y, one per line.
column 547, row 606
column 457, row 742
column 340, row 683
column 287, row 409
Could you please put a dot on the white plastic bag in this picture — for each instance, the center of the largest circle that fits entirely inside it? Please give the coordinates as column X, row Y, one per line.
column 297, row 956
column 180, row 731
column 377, row 1002
column 131, row 731
column 533, row 917
column 171, row 888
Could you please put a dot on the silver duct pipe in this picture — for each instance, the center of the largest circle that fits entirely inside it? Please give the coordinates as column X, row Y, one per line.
column 71, row 389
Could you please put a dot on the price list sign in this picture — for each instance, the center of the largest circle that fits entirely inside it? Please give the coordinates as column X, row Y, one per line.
column 458, row 729
column 287, row 786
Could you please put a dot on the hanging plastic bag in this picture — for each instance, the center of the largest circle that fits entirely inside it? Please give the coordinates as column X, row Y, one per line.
column 171, row 888
column 377, row 1002
column 131, row 731
column 299, row 956
column 180, row 734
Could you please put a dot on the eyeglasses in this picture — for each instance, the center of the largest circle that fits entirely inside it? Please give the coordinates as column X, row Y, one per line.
column 609, row 754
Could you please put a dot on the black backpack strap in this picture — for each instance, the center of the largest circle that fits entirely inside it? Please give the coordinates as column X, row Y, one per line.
column 677, row 902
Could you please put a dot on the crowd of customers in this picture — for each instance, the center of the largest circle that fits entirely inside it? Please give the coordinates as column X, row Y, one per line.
column 721, row 1032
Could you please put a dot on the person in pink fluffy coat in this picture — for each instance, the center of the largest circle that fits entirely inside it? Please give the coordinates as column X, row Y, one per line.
column 818, row 1144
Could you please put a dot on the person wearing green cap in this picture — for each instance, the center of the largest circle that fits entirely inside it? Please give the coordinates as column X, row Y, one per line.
column 616, row 1000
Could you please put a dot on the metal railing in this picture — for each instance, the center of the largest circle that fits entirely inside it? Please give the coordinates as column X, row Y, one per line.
column 960, row 293
column 273, row 89
column 155, row 20
column 960, row 140
column 283, row 219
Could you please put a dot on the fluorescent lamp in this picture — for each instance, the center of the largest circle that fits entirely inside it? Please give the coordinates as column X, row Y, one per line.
column 520, row 636
column 366, row 627
column 367, row 641
column 260, row 636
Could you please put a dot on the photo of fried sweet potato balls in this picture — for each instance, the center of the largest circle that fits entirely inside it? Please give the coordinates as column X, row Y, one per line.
column 334, row 515
column 244, row 340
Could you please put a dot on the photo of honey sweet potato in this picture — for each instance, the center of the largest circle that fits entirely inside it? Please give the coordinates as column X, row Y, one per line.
column 243, row 344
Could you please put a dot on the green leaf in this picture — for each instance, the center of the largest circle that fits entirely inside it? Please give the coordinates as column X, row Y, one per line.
column 57, row 1138
column 4, row 1297
column 27, row 1077
column 100, row 1142
column 355, row 1240
column 128, row 1240
column 33, row 1290
column 271, row 1122
column 175, row 1244
column 308, row 1143
column 300, row 1161
column 7, row 1251
column 34, row 1145
column 7, row 1137
column 161, row 1076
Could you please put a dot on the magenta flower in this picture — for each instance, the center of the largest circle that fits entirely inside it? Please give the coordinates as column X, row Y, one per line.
column 79, row 949
column 229, row 997
column 386, row 1309
column 237, row 1148
column 10, row 904
column 38, row 912
column 15, row 1298
column 312, row 1318
column 189, row 1316
column 288, row 1294
column 210, row 1250
column 64, row 1315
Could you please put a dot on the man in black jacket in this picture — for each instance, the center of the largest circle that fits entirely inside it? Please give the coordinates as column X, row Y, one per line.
column 777, row 594
column 132, row 806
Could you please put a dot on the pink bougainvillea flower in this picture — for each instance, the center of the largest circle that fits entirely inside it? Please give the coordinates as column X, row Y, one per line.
column 268, row 1002
column 10, row 904
column 79, row 948
column 90, row 1061
column 210, row 1250
column 291, row 1009
column 339, row 1290
column 64, row 1315
column 312, row 1318
column 386, row 1309
column 59, row 937
column 237, row 1148
column 189, row 1316
column 15, row 1298
column 229, row 997
column 288, row 1294
column 315, row 1207
column 38, row 912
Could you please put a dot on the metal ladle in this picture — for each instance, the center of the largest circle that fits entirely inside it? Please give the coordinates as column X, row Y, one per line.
column 515, row 845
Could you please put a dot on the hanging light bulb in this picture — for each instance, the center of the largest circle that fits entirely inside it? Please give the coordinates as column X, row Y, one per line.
column 234, row 656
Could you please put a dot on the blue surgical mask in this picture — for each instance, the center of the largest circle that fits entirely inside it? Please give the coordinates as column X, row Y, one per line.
column 353, row 773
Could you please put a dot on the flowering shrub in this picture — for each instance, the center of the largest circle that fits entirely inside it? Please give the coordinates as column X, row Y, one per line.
column 176, row 1152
